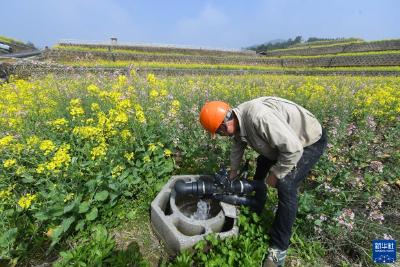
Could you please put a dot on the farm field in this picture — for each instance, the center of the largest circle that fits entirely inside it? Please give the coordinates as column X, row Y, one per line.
column 82, row 156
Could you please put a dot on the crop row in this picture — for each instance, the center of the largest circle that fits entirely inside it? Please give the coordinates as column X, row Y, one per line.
column 105, row 63
column 393, row 49
column 328, row 42
column 26, row 70
column 337, row 48
column 363, row 59
column 160, row 49
column 131, row 50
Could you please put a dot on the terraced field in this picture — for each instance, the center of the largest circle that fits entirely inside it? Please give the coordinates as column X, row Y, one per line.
column 324, row 58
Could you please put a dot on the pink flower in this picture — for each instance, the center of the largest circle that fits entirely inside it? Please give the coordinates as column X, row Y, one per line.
column 330, row 189
column 387, row 237
column 351, row 128
column 346, row 219
column 371, row 122
column 376, row 215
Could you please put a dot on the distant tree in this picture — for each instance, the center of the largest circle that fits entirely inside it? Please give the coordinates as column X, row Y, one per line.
column 276, row 45
column 298, row 39
column 315, row 39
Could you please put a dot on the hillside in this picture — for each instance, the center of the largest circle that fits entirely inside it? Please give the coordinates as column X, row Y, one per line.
column 342, row 57
column 15, row 46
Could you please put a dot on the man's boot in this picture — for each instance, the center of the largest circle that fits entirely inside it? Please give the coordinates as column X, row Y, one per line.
column 275, row 258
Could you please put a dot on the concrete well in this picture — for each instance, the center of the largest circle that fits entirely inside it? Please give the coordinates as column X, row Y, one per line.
column 171, row 221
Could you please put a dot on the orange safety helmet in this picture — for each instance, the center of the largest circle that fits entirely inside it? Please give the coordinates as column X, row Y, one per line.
column 213, row 114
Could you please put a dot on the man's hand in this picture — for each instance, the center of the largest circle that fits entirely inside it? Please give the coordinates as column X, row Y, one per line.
column 272, row 180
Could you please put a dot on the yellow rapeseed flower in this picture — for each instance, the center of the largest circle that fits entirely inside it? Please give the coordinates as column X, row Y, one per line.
column 152, row 147
column 175, row 106
column 20, row 170
column 95, row 107
column 75, row 108
column 5, row 141
column 32, row 140
column 8, row 163
column 26, row 201
column 140, row 114
column 151, row 79
column 6, row 193
column 167, row 152
column 93, row 89
column 60, row 159
column 124, row 104
column 163, row 92
column 87, row 132
column 99, row 151
column 118, row 116
column 47, row 146
column 41, row 168
column 122, row 80
column 59, row 124
column 146, row 159
column 126, row 134
column 116, row 171
column 129, row 156
column 153, row 93
column 68, row 197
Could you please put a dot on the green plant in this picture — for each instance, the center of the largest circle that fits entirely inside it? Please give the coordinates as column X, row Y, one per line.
column 100, row 251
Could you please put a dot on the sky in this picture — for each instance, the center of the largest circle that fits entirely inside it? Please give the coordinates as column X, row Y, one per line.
column 228, row 24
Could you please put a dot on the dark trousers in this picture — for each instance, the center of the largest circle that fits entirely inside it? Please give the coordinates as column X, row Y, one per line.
column 285, row 215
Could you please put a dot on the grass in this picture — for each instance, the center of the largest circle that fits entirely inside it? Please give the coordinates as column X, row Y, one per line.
column 10, row 40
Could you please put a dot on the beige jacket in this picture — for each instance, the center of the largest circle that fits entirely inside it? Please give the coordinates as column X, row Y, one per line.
column 277, row 129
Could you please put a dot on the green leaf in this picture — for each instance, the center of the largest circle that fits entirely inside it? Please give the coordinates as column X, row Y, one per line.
column 8, row 237
column 66, row 223
column 69, row 207
column 41, row 216
column 92, row 214
column 113, row 186
column 84, row 207
column 124, row 174
column 101, row 196
column 56, row 236
column 27, row 178
column 128, row 193
column 91, row 184
column 79, row 226
column 318, row 222
column 136, row 180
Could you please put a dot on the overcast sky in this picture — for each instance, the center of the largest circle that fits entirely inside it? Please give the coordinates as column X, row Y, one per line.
column 206, row 23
